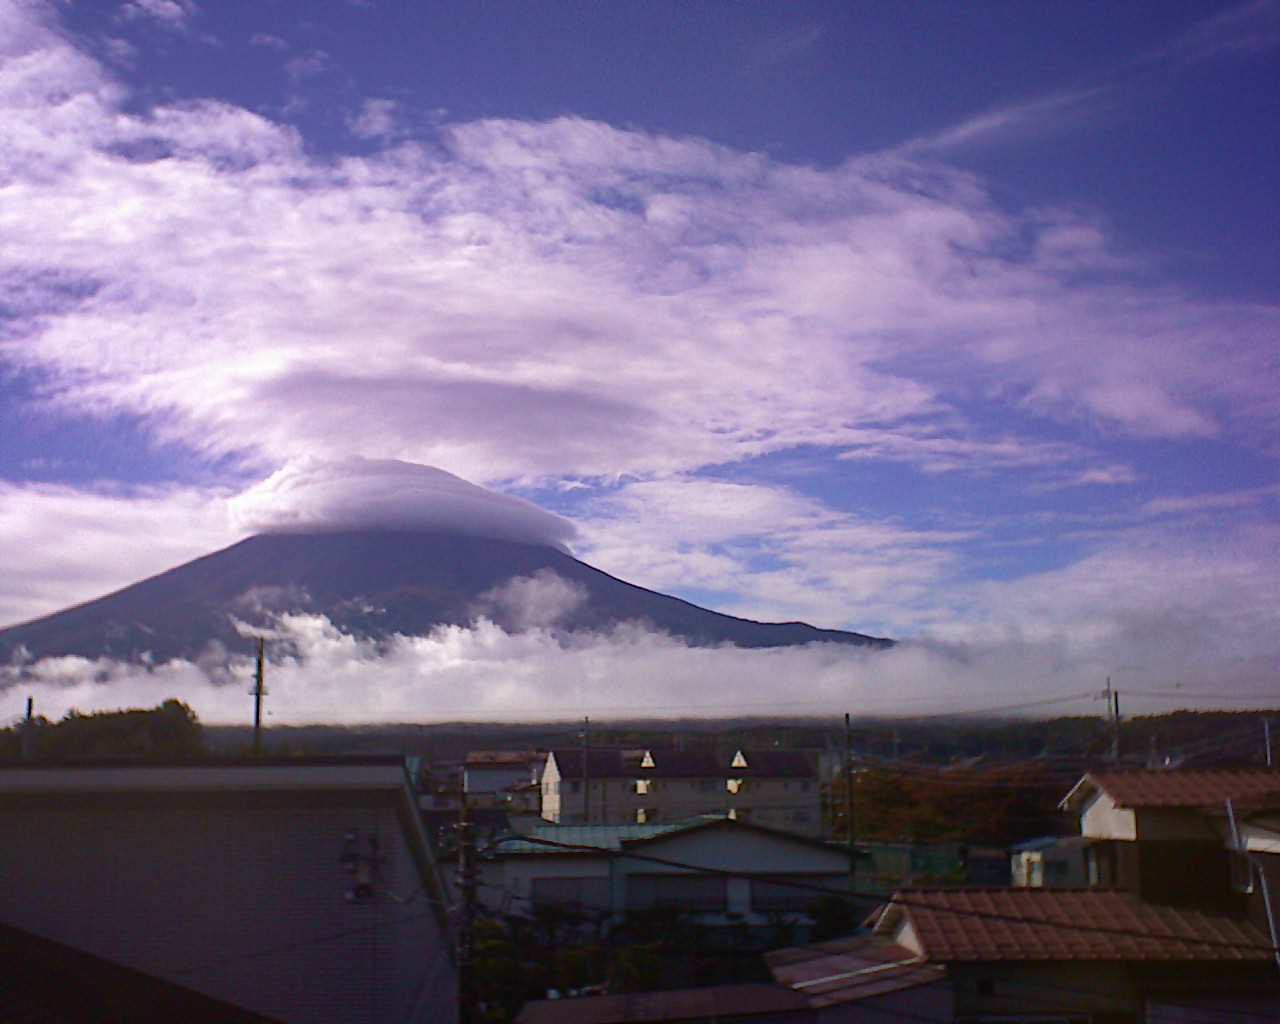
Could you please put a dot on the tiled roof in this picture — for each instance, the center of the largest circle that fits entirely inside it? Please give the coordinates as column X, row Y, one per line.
column 850, row 969
column 1065, row 924
column 1135, row 789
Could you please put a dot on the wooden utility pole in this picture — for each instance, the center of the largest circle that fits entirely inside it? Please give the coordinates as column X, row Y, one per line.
column 586, row 770
column 259, row 691
column 1115, row 722
column 28, row 748
column 848, row 806
column 1266, row 738
column 467, row 911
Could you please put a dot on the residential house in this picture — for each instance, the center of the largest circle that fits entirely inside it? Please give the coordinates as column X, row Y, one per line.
column 1051, row 862
column 1167, row 835
column 720, row 871
column 1080, row 955
column 775, row 788
column 848, row 981
column 300, row 890
column 487, row 775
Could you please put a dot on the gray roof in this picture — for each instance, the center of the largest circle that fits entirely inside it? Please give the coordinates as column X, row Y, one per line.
column 599, row 837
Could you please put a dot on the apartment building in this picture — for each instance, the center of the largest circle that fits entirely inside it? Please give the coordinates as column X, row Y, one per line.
column 774, row 788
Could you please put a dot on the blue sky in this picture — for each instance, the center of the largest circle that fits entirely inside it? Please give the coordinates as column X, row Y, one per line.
column 956, row 323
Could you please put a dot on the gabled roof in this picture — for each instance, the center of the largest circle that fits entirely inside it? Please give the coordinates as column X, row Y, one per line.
column 1175, row 789
column 601, row 763
column 682, row 764
column 602, row 838
column 1017, row 924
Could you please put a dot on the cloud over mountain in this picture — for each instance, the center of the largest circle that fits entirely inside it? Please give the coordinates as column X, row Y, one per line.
column 312, row 495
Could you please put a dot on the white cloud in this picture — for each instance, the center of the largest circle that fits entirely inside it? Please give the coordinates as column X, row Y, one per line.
column 65, row 545
column 569, row 299
column 310, row 64
column 484, row 671
column 315, row 495
column 540, row 601
column 172, row 14
column 267, row 41
column 378, row 119
column 767, row 552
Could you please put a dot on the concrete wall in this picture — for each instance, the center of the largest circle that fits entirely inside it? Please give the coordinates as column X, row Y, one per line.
column 237, row 895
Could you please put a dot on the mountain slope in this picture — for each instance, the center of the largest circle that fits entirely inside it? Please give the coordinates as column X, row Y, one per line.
column 372, row 583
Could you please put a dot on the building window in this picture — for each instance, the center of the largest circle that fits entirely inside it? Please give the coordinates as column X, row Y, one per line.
column 642, row 787
column 642, row 815
column 735, row 785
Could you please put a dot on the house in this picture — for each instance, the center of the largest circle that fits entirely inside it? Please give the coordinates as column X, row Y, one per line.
column 1080, row 955
column 1051, row 862
column 488, row 774
column 721, row 871
column 849, row 981
column 300, row 890
column 775, row 788
column 1168, row 836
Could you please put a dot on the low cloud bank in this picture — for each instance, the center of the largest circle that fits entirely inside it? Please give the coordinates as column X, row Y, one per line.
column 321, row 674
column 318, row 495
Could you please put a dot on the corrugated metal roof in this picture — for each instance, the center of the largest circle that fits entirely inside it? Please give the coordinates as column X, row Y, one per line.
column 850, row 969
column 1066, row 924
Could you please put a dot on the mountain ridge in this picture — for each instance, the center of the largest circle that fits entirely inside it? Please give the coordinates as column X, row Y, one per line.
column 372, row 583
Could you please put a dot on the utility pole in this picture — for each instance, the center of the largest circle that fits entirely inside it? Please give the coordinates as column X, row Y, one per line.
column 467, row 911
column 29, row 732
column 586, row 770
column 1266, row 738
column 258, row 691
column 1115, row 722
column 848, row 806
column 1112, row 699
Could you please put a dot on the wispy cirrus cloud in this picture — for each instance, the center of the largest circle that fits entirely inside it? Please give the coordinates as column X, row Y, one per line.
column 628, row 302
column 175, row 15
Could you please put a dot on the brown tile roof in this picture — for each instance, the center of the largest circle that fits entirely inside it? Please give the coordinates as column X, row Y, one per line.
column 850, row 969
column 690, row 1004
column 1065, row 924
column 1133, row 789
